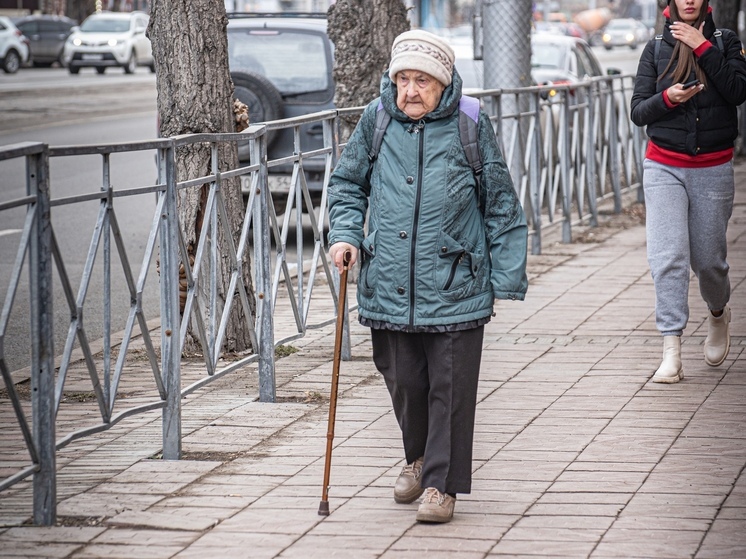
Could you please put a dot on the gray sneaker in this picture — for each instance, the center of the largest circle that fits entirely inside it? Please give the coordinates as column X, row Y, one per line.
column 407, row 488
column 436, row 506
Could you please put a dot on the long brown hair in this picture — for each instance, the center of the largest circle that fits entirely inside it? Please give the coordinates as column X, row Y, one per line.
column 682, row 55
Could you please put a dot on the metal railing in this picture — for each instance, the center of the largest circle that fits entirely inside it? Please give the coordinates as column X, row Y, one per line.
column 568, row 148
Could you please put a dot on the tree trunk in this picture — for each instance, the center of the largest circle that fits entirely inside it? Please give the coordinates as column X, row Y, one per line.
column 659, row 19
column 80, row 9
column 362, row 32
column 725, row 13
column 195, row 95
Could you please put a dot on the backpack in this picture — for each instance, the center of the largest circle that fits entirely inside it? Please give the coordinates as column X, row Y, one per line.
column 468, row 120
column 658, row 38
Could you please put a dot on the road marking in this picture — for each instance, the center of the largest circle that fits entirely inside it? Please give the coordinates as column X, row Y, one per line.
column 4, row 232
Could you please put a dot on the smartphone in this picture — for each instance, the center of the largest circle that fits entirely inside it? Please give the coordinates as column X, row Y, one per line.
column 692, row 83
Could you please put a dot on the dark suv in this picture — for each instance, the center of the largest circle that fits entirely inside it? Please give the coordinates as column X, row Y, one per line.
column 47, row 35
column 281, row 65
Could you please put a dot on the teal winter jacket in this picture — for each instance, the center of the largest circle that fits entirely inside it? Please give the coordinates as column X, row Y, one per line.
column 432, row 254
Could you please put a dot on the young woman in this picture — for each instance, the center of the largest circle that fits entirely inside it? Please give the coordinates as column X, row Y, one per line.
column 689, row 83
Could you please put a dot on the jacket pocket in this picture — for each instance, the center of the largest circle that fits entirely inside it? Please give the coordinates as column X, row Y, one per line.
column 456, row 266
column 367, row 265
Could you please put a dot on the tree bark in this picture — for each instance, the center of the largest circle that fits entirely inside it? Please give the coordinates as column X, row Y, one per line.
column 195, row 95
column 725, row 13
column 362, row 32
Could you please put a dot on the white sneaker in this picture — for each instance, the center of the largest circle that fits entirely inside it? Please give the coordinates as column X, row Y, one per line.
column 717, row 344
column 670, row 370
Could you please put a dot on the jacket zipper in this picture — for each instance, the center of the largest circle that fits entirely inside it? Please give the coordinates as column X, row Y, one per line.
column 419, row 129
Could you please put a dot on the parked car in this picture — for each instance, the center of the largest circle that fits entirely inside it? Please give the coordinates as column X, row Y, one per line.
column 555, row 59
column 625, row 32
column 282, row 68
column 47, row 35
column 107, row 39
column 14, row 46
column 560, row 59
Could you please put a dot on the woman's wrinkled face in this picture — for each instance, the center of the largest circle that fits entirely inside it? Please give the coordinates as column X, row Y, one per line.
column 689, row 10
column 417, row 93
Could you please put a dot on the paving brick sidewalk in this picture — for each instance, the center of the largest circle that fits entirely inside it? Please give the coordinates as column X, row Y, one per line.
column 576, row 453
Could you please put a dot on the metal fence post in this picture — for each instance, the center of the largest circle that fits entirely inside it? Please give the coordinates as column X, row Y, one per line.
column 170, row 350
column 42, row 325
column 264, row 277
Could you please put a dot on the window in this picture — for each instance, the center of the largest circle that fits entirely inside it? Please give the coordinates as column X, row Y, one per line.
column 295, row 62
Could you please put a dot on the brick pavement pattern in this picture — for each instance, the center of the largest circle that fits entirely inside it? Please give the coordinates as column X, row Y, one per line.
column 577, row 454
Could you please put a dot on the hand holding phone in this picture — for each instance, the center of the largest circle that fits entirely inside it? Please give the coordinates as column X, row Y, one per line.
column 692, row 83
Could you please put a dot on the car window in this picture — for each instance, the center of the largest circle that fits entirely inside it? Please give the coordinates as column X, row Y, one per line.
column 28, row 27
column 49, row 27
column 295, row 62
column 2, row 26
column 105, row 25
column 547, row 55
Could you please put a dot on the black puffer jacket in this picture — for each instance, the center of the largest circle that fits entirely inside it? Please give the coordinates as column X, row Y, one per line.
column 706, row 123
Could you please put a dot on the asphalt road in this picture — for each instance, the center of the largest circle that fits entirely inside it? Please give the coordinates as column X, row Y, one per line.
column 51, row 106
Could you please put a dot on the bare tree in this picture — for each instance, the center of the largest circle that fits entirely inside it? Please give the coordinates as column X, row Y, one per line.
column 363, row 32
column 195, row 95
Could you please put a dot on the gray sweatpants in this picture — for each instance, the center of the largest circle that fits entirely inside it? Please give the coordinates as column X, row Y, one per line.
column 687, row 213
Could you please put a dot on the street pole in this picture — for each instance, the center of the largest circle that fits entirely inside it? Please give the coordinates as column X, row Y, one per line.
column 506, row 35
column 507, row 43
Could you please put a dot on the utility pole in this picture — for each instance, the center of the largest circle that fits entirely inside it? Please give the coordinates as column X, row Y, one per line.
column 506, row 54
column 506, row 32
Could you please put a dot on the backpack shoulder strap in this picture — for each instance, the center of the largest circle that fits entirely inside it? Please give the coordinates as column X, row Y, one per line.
column 719, row 39
column 468, row 127
column 468, row 120
column 657, row 52
column 382, row 121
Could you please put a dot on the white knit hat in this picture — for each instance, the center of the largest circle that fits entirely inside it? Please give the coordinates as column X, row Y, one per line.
column 423, row 51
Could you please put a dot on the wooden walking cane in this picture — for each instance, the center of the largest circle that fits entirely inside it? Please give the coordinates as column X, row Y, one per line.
column 324, row 504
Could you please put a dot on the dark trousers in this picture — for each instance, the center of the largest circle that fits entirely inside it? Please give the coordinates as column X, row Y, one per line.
column 432, row 379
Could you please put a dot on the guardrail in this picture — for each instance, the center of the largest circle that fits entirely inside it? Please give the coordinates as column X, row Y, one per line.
column 568, row 148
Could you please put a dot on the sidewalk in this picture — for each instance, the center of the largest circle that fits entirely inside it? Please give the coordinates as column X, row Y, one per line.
column 576, row 453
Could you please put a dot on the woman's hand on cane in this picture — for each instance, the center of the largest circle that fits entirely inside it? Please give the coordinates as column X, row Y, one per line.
column 337, row 251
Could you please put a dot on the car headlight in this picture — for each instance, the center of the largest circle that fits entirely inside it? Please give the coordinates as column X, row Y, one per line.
column 76, row 41
column 630, row 37
column 606, row 38
column 115, row 42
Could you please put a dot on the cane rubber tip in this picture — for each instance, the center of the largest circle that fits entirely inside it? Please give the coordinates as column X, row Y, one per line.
column 324, row 508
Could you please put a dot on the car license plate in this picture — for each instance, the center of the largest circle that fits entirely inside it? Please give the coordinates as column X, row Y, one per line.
column 93, row 57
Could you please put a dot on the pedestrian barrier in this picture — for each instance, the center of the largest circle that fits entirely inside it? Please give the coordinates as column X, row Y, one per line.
column 568, row 148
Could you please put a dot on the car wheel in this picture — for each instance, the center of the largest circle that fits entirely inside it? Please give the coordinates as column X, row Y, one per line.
column 100, row 69
column 607, row 47
column 12, row 62
column 262, row 98
column 73, row 69
column 131, row 65
column 152, row 67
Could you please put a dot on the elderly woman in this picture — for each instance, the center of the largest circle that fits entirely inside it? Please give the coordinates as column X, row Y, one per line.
column 441, row 244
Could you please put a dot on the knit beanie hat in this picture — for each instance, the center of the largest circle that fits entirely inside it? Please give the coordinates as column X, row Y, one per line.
column 423, row 51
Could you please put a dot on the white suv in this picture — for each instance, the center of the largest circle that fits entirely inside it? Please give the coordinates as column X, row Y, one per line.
column 108, row 39
column 14, row 46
